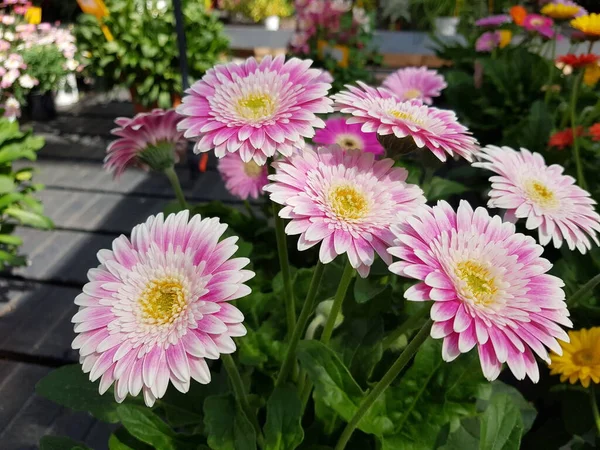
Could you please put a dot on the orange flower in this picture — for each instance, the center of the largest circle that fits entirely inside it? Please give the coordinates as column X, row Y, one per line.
column 577, row 61
column 563, row 139
column 518, row 14
column 594, row 132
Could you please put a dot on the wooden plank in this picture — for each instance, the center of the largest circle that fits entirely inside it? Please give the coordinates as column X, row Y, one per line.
column 25, row 417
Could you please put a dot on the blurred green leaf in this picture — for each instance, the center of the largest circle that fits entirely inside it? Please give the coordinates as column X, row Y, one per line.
column 283, row 429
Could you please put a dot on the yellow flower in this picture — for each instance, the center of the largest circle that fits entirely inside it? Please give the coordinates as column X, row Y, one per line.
column 505, row 38
column 591, row 76
column 589, row 24
column 560, row 11
column 580, row 360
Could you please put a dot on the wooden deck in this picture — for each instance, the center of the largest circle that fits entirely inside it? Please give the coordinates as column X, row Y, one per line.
column 36, row 302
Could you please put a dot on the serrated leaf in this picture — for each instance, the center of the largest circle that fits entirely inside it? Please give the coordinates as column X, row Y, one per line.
column 501, row 425
column 283, row 429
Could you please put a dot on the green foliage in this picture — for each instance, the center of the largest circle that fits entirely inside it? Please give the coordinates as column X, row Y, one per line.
column 60, row 443
column 46, row 63
column 18, row 206
column 144, row 53
column 226, row 425
column 69, row 386
column 283, row 428
column 258, row 10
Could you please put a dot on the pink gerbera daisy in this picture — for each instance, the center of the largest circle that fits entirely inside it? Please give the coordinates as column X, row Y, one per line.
column 381, row 111
column 344, row 200
column 149, row 140
column 348, row 136
column 416, row 83
column 242, row 179
column 489, row 286
column 255, row 109
column 550, row 201
column 158, row 305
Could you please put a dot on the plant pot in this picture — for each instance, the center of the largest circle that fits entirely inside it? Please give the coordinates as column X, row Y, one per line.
column 446, row 26
column 272, row 23
column 67, row 94
column 41, row 106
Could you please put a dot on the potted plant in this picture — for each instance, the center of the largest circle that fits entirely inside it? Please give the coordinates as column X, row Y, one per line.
column 143, row 56
column 443, row 15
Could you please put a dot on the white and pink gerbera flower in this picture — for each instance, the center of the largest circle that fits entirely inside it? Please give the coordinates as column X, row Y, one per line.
column 148, row 140
column 344, row 200
column 158, row 305
column 255, row 109
column 489, row 286
column 242, row 179
column 418, row 83
column 347, row 136
column 550, row 201
column 380, row 111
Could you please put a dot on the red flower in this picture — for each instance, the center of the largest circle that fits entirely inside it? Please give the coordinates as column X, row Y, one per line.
column 595, row 132
column 564, row 138
column 576, row 61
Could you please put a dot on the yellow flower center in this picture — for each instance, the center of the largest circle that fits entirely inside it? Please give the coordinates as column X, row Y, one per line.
column 479, row 283
column 403, row 115
column 412, row 93
column 256, row 106
column 587, row 357
column 589, row 24
column 348, row 142
column 559, row 11
column 541, row 194
column 162, row 301
column 252, row 169
column 348, row 203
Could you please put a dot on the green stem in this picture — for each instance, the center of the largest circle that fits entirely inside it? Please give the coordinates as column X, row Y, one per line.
column 307, row 309
column 587, row 287
column 412, row 323
column 552, row 69
column 576, row 152
column 284, row 263
column 174, row 180
column 383, row 384
column 240, row 395
column 249, row 209
column 337, row 302
column 595, row 407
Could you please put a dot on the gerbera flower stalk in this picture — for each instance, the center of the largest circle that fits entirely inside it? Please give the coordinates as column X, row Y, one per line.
column 489, row 287
column 255, row 109
column 347, row 136
column 589, row 25
column 418, row 83
column 405, row 126
column 159, row 304
column 148, row 140
column 343, row 200
column 527, row 188
column 242, row 179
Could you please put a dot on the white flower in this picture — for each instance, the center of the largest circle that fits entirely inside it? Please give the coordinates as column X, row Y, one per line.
column 27, row 81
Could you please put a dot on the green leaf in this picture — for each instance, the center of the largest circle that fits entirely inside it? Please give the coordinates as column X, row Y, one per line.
column 283, row 429
column 466, row 436
column 6, row 184
column 10, row 240
column 441, row 188
column 501, row 425
column 146, row 426
column 30, row 218
column 528, row 412
column 335, row 386
column 226, row 425
column 122, row 440
column 69, row 386
column 430, row 395
column 367, row 288
column 12, row 260
column 61, row 443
